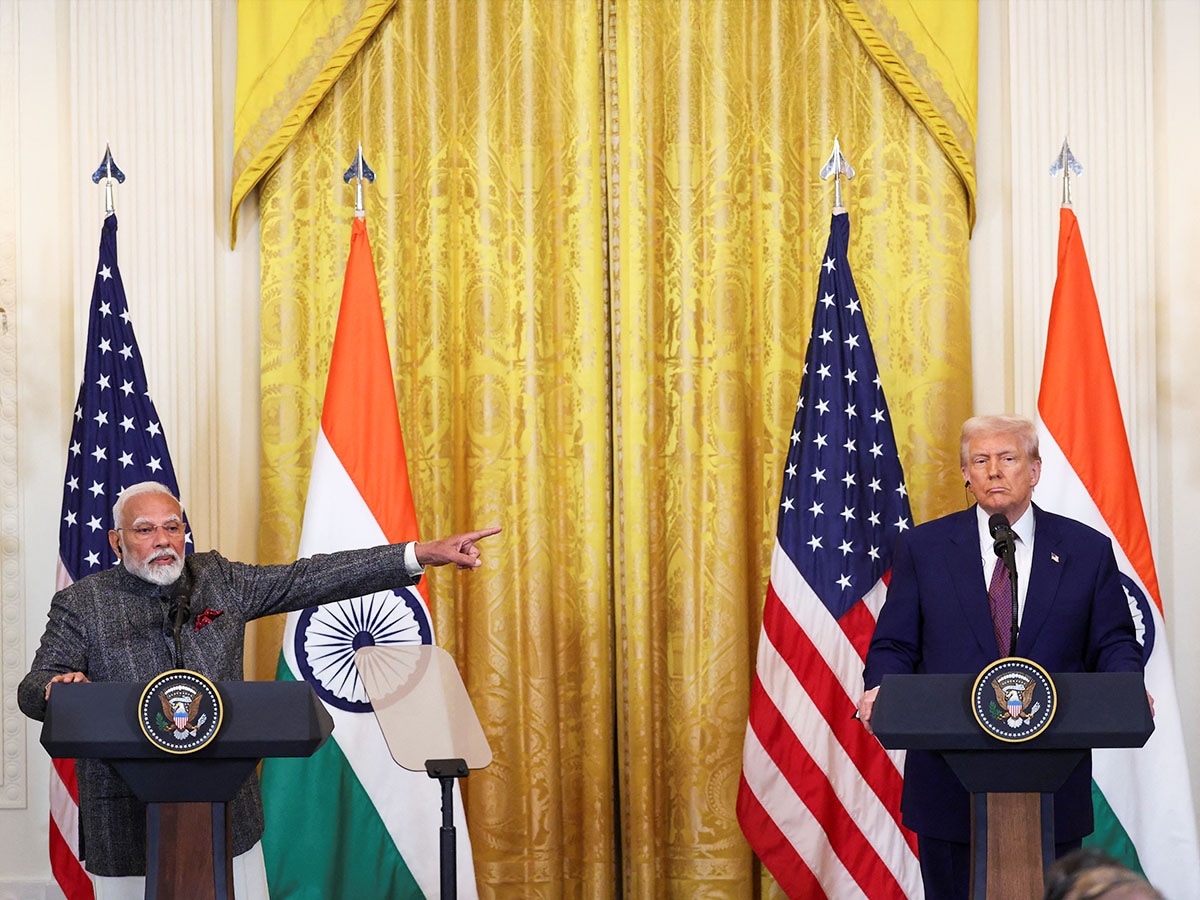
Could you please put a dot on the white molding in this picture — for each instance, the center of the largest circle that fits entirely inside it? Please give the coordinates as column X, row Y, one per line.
column 12, row 613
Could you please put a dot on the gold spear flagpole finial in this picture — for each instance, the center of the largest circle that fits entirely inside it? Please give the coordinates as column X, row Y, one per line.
column 108, row 171
column 837, row 166
column 357, row 172
column 1066, row 163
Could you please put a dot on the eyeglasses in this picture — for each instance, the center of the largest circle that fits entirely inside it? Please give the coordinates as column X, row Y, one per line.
column 146, row 531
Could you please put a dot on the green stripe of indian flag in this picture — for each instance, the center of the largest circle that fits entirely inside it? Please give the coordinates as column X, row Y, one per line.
column 337, row 867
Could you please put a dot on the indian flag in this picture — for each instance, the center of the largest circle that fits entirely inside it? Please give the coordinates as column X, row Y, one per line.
column 349, row 822
column 1142, row 797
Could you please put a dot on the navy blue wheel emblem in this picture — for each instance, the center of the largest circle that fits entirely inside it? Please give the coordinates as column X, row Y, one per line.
column 1143, row 618
column 328, row 636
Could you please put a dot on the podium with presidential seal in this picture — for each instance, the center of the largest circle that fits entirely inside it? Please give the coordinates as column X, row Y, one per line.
column 184, row 745
column 1012, row 735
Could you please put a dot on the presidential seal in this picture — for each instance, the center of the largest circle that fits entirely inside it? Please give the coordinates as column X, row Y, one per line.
column 180, row 711
column 1014, row 699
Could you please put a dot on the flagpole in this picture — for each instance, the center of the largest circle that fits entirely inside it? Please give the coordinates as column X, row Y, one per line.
column 382, row 839
column 819, row 798
column 357, row 172
column 135, row 452
column 837, row 166
column 1066, row 163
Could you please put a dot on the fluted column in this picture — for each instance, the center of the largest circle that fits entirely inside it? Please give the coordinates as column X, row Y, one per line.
column 142, row 80
column 12, row 619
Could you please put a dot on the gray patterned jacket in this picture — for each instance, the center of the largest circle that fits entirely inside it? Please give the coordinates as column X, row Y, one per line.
column 113, row 626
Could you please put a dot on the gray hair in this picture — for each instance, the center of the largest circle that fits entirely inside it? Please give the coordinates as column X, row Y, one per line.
column 134, row 490
column 979, row 426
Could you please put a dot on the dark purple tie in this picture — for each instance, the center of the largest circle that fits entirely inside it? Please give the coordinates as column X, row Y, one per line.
column 1001, row 600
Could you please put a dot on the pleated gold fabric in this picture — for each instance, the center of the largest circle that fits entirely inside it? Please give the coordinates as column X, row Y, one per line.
column 482, row 122
column 597, row 227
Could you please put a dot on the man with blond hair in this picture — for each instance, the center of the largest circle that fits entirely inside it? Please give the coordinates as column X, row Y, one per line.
column 938, row 618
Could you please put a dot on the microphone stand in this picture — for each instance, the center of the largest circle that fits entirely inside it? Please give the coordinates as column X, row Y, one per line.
column 179, row 613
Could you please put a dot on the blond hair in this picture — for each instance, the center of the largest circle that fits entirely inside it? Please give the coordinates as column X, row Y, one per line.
column 980, row 426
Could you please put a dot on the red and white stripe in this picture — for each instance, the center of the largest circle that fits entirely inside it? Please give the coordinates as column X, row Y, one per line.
column 819, row 799
column 65, row 864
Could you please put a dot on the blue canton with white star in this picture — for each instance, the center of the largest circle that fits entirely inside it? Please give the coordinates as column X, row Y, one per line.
column 116, row 436
column 844, row 500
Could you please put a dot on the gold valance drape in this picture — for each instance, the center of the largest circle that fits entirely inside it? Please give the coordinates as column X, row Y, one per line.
column 928, row 50
column 596, row 229
column 290, row 52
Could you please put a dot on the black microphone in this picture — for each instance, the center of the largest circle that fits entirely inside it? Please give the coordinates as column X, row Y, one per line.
column 1005, row 545
column 1002, row 533
column 181, row 606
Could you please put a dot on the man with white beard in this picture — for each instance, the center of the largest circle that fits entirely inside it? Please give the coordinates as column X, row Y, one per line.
column 117, row 625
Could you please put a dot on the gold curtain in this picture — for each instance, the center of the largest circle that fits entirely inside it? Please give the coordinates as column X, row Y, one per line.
column 482, row 123
column 597, row 229
column 727, row 111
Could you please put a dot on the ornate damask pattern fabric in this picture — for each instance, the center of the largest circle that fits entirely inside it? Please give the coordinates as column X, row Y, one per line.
column 482, row 123
column 597, row 228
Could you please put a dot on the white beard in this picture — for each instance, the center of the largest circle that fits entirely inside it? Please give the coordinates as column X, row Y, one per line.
column 161, row 575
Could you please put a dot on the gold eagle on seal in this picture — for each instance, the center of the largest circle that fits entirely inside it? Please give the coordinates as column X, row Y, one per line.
column 179, row 716
column 1014, row 703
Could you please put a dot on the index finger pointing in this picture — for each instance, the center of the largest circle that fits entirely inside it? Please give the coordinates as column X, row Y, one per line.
column 478, row 535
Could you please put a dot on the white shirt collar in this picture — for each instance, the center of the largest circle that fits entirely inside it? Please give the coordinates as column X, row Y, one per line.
column 1023, row 528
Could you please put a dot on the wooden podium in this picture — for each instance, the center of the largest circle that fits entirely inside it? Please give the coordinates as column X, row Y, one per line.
column 1012, row 785
column 188, row 834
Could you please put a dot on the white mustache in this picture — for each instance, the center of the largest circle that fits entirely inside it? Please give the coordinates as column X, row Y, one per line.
column 147, row 570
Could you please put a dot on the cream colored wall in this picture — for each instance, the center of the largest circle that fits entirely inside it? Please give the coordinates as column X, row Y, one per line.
column 155, row 78
column 1176, row 359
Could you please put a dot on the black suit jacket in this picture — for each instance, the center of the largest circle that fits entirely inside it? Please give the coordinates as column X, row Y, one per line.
column 936, row 619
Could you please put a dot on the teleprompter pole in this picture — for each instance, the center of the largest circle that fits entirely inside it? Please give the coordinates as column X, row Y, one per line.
column 445, row 771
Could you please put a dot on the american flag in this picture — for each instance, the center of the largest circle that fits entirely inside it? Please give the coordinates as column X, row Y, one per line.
column 116, row 440
column 819, row 798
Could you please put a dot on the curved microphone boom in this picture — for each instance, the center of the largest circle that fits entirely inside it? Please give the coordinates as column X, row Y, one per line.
column 1005, row 545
